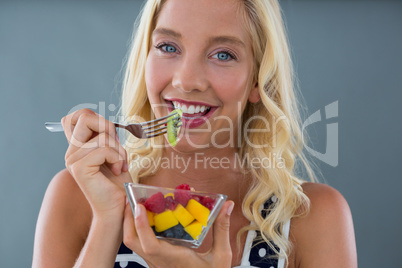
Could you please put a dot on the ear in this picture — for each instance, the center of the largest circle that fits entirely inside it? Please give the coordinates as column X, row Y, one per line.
column 254, row 95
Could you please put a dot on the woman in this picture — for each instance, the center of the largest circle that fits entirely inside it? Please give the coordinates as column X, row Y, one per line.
column 226, row 64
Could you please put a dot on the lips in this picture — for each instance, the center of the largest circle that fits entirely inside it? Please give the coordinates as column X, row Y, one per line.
column 194, row 113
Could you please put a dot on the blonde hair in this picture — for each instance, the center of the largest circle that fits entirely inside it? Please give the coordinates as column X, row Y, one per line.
column 278, row 105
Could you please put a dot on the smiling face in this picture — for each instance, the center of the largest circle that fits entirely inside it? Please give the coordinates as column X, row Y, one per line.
column 201, row 60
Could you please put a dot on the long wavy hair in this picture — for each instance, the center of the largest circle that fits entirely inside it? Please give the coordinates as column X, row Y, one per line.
column 283, row 144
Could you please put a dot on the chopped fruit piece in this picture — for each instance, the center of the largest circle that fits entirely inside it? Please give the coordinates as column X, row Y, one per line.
column 170, row 203
column 183, row 186
column 165, row 220
column 198, row 211
column 186, row 236
column 156, row 203
column 169, row 194
column 197, row 198
column 176, row 231
column 169, row 233
column 208, row 202
column 173, row 127
column 150, row 216
column 182, row 197
column 194, row 229
column 182, row 215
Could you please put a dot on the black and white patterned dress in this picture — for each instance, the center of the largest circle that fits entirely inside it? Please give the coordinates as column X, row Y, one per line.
column 255, row 255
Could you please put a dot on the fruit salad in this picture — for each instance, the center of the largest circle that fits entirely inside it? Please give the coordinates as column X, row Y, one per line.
column 181, row 215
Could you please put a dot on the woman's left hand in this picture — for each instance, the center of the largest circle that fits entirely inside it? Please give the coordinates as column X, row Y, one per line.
column 139, row 237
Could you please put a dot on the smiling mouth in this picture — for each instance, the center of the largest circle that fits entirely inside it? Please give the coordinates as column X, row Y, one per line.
column 191, row 111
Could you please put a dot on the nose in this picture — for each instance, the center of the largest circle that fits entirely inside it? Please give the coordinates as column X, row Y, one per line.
column 190, row 75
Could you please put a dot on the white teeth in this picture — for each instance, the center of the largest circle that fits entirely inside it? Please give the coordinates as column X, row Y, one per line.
column 190, row 109
column 176, row 105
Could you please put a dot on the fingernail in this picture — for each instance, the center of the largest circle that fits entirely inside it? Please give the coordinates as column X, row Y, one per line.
column 117, row 138
column 137, row 211
column 230, row 209
column 126, row 200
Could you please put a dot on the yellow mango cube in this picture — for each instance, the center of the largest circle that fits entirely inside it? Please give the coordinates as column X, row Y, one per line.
column 199, row 212
column 194, row 229
column 150, row 216
column 169, row 194
column 164, row 221
column 182, row 215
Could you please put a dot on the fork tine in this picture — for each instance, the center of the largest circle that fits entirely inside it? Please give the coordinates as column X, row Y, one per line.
column 156, row 134
column 145, row 126
column 150, row 131
column 155, row 130
column 158, row 119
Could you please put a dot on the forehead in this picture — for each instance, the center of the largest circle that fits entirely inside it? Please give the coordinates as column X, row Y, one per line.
column 198, row 18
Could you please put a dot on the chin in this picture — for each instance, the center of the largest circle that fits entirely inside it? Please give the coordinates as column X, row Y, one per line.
column 192, row 146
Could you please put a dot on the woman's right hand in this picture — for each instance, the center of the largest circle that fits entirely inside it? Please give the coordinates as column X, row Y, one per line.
column 97, row 161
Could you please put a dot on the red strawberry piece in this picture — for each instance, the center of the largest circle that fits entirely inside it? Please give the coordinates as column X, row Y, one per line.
column 170, row 203
column 156, row 203
column 183, row 186
column 182, row 197
column 197, row 198
column 208, row 202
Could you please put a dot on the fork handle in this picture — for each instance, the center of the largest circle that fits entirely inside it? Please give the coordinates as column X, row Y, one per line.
column 54, row 126
column 58, row 127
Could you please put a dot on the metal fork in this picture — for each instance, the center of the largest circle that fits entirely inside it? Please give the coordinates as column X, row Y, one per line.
column 142, row 130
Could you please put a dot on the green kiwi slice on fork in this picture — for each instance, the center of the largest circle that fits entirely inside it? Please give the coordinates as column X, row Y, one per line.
column 173, row 127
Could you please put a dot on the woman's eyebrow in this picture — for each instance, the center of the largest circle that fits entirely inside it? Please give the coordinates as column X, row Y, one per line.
column 165, row 31
column 227, row 39
column 216, row 39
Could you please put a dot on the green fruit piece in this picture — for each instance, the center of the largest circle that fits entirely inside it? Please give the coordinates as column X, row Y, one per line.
column 173, row 127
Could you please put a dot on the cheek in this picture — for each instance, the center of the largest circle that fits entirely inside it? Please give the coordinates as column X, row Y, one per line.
column 232, row 87
column 155, row 78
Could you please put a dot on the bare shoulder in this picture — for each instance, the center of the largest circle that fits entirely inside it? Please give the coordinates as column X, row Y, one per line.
column 324, row 237
column 65, row 215
column 64, row 196
column 324, row 198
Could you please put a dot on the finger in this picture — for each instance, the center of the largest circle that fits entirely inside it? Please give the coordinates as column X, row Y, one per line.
column 148, row 240
column 68, row 122
column 130, row 236
column 74, row 154
column 90, row 164
column 221, row 237
column 89, row 125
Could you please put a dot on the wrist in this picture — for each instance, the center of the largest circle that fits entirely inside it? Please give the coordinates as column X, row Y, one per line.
column 107, row 221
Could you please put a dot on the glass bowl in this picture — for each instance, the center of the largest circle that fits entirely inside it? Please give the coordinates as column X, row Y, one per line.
column 181, row 217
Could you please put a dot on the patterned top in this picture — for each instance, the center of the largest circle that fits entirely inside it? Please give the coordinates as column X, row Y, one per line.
column 255, row 255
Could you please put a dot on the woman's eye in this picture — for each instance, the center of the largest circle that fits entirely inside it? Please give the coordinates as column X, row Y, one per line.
column 224, row 56
column 167, row 48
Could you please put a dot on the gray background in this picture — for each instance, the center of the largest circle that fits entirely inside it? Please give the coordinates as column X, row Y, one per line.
column 57, row 54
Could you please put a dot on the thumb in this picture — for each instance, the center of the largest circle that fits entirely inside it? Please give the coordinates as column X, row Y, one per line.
column 221, row 238
column 130, row 236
